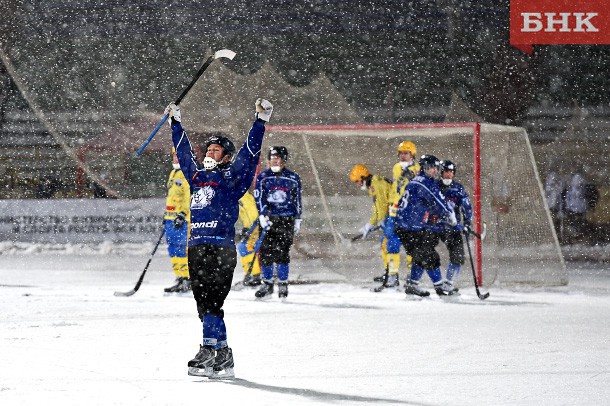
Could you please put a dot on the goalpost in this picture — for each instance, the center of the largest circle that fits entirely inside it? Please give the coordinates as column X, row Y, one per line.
column 495, row 163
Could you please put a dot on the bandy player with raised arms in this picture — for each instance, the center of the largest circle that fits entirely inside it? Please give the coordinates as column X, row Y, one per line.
column 212, row 257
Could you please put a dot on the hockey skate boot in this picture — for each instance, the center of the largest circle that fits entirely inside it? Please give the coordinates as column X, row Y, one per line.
column 443, row 289
column 203, row 363
column 185, row 286
column 282, row 290
column 265, row 290
column 252, row 280
column 176, row 286
column 223, row 364
column 392, row 281
column 449, row 286
column 411, row 288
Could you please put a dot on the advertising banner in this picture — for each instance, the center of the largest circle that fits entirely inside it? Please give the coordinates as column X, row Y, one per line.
column 80, row 220
column 538, row 22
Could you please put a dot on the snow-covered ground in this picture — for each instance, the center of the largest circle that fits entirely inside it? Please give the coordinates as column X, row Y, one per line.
column 66, row 340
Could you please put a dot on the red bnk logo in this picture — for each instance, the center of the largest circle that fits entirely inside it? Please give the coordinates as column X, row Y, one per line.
column 535, row 22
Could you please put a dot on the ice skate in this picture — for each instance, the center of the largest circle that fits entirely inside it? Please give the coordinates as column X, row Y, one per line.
column 443, row 289
column 203, row 363
column 411, row 288
column 379, row 278
column 252, row 280
column 223, row 364
column 179, row 286
column 265, row 290
column 449, row 286
column 282, row 290
column 392, row 281
column 185, row 286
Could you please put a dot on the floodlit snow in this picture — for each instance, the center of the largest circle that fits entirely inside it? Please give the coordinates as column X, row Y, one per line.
column 66, row 340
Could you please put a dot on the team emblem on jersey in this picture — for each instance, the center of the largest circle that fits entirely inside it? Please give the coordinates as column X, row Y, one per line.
column 202, row 198
column 277, row 196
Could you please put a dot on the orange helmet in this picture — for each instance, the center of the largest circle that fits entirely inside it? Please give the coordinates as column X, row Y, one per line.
column 407, row 146
column 358, row 172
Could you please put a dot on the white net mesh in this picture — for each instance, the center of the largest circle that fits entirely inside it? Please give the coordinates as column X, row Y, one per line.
column 520, row 246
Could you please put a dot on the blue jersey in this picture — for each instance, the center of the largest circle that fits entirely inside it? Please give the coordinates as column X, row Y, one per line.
column 215, row 194
column 278, row 194
column 456, row 193
column 422, row 206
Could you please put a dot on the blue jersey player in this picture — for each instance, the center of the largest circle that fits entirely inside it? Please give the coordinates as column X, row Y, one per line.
column 454, row 193
column 215, row 192
column 278, row 197
column 423, row 214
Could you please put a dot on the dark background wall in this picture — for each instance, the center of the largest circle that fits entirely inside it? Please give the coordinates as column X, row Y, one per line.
column 87, row 63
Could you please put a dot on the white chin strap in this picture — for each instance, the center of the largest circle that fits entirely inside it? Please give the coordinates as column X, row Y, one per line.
column 209, row 163
column 447, row 182
column 276, row 169
column 176, row 166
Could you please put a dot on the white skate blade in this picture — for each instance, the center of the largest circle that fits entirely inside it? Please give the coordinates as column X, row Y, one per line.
column 227, row 373
column 205, row 372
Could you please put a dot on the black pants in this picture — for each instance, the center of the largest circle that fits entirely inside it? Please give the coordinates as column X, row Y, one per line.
column 275, row 247
column 421, row 246
column 211, row 270
column 455, row 245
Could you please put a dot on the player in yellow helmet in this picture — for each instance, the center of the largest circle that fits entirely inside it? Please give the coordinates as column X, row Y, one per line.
column 176, row 222
column 248, row 216
column 380, row 189
column 402, row 172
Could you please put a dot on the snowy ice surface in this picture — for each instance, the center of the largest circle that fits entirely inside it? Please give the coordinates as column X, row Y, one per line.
column 66, row 340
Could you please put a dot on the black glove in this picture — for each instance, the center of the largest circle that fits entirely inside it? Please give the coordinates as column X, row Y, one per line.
column 179, row 221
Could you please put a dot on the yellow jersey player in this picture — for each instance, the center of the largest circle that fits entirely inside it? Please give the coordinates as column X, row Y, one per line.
column 380, row 189
column 248, row 217
column 402, row 172
column 176, row 223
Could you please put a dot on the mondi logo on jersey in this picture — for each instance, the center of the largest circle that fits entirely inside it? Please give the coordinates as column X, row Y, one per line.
column 547, row 22
column 207, row 224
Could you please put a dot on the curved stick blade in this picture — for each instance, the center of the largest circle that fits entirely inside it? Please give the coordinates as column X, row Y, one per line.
column 224, row 53
column 130, row 293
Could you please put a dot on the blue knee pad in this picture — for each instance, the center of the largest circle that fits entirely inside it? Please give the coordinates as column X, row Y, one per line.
column 267, row 271
column 211, row 329
column 416, row 273
column 453, row 270
column 222, row 335
column 435, row 275
column 282, row 272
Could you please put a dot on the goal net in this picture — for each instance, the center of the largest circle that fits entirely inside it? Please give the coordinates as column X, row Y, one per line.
column 494, row 163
